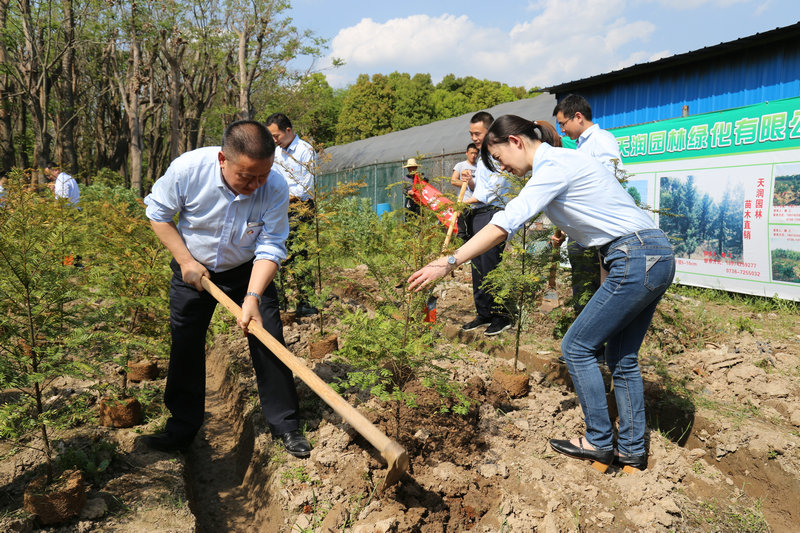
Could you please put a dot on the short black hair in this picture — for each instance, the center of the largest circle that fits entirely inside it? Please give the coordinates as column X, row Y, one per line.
column 281, row 120
column 571, row 104
column 248, row 137
column 51, row 164
column 482, row 116
column 470, row 146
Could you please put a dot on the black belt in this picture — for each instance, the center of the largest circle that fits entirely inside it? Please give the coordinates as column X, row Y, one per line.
column 485, row 209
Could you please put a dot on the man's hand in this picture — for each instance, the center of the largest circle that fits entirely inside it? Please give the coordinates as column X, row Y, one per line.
column 250, row 312
column 192, row 272
column 558, row 239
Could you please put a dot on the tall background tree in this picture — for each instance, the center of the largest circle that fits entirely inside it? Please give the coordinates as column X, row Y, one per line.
column 115, row 90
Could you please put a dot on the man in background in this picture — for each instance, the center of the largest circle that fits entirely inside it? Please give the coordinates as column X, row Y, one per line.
column 296, row 161
column 62, row 184
column 455, row 179
column 488, row 197
column 574, row 116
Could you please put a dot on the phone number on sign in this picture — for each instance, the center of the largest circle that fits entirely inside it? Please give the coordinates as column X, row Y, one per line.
column 742, row 272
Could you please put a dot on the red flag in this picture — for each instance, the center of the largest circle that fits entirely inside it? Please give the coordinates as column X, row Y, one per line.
column 429, row 196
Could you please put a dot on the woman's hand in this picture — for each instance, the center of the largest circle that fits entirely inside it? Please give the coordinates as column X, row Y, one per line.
column 428, row 274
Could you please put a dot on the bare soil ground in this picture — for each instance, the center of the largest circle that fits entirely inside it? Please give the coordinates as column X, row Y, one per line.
column 723, row 401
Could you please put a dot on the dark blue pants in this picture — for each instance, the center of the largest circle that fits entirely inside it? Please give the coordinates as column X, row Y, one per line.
column 190, row 315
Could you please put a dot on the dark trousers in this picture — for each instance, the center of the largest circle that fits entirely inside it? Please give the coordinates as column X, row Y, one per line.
column 463, row 224
column 485, row 305
column 190, row 315
column 585, row 266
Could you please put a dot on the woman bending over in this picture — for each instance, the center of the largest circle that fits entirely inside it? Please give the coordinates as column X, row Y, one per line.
column 585, row 200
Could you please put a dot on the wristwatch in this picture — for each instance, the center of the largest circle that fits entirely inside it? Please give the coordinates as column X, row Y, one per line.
column 254, row 295
column 452, row 261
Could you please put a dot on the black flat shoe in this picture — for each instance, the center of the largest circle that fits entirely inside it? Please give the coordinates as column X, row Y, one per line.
column 631, row 464
column 295, row 443
column 600, row 458
column 167, row 442
column 305, row 310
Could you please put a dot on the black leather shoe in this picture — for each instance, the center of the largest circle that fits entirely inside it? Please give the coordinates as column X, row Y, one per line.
column 295, row 443
column 600, row 458
column 631, row 463
column 167, row 442
column 305, row 310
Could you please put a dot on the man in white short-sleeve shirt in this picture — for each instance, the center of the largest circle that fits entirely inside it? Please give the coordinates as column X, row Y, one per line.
column 455, row 179
column 489, row 191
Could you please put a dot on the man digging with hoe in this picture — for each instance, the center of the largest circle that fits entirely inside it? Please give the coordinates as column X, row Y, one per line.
column 232, row 227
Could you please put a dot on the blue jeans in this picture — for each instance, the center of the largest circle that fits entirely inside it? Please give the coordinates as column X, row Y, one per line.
column 640, row 267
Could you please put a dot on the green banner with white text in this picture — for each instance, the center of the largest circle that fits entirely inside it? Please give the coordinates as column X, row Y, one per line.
column 726, row 190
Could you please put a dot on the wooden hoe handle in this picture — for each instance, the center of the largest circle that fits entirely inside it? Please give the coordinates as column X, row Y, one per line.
column 455, row 218
column 396, row 457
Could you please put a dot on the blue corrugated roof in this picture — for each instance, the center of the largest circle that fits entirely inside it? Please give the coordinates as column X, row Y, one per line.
column 747, row 71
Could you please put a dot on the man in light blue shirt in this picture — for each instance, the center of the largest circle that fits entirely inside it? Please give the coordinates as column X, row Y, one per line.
column 574, row 116
column 488, row 196
column 232, row 226
column 296, row 161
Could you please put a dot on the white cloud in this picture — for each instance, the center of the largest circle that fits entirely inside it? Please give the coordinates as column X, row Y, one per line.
column 695, row 4
column 551, row 46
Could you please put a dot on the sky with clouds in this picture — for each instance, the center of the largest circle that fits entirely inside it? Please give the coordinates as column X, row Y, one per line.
column 529, row 43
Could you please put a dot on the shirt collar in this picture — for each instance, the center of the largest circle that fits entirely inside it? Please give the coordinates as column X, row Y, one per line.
column 587, row 133
column 540, row 154
column 293, row 145
column 224, row 186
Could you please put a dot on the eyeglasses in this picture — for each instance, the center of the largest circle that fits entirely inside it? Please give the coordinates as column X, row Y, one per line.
column 561, row 124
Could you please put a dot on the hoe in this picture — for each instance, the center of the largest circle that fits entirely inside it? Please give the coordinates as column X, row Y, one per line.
column 394, row 454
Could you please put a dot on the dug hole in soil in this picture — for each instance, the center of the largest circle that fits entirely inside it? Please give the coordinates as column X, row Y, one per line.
column 723, row 459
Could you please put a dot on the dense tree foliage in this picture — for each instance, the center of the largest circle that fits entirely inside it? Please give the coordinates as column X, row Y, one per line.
column 787, row 190
column 114, row 88
column 129, row 85
column 398, row 101
column 786, row 265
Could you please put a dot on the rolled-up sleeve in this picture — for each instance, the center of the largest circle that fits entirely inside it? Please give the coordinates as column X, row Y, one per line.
column 271, row 242
column 163, row 203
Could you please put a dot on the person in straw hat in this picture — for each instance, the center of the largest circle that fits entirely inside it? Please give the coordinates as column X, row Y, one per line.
column 412, row 169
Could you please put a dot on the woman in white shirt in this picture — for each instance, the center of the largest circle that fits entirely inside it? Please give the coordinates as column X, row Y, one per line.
column 586, row 201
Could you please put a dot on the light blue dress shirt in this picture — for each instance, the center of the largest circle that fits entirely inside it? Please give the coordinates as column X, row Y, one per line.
column 297, row 165
column 490, row 187
column 579, row 195
column 67, row 187
column 222, row 230
column 601, row 145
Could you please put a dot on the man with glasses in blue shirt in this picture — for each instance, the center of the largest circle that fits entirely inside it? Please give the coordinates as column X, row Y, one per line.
column 232, row 211
column 574, row 117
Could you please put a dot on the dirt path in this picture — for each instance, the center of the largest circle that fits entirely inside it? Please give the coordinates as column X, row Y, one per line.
column 217, row 460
